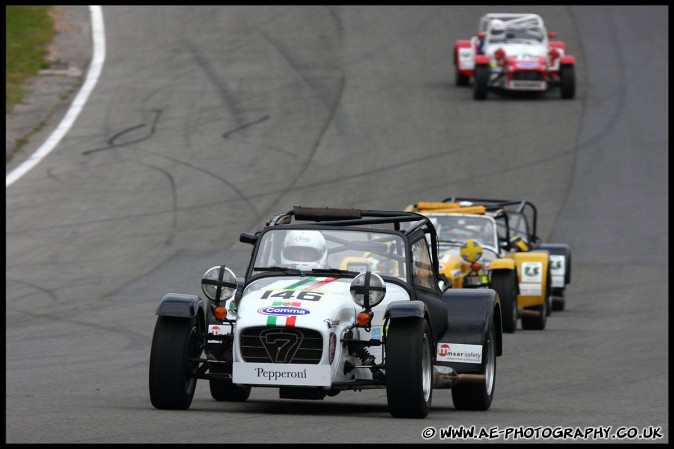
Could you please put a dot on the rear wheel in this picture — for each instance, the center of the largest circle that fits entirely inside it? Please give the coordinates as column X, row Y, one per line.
column 548, row 292
column 559, row 300
column 409, row 368
column 461, row 79
column 567, row 81
column 469, row 396
column 480, row 82
column 536, row 322
column 172, row 374
column 505, row 284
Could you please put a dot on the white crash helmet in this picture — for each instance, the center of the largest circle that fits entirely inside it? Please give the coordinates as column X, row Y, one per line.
column 304, row 250
column 498, row 28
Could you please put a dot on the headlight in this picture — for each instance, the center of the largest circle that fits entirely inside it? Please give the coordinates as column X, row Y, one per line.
column 368, row 289
column 219, row 283
column 471, row 251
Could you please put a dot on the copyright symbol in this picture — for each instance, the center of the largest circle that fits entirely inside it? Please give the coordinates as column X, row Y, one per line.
column 428, row 433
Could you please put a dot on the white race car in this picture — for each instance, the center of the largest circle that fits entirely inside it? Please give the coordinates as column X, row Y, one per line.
column 332, row 300
column 512, row 52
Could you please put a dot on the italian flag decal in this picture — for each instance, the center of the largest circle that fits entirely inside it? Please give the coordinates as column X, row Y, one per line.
column 313, row 286
column 283, row 321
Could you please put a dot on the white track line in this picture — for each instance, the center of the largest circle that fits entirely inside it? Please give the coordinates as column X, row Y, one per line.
column 98, row 35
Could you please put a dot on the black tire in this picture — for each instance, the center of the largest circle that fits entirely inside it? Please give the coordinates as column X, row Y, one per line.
column 461, row 79
column 536, row 322
column 505, row 284
column 567, row 81
column 409, row 368
column 480, row 82
column 558, row 305
column 468, row 396
column 225, row 390
column 548, row 292
column 172, row 381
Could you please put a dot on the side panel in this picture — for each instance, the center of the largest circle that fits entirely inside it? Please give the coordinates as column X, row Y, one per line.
column 471, row 312
column 560, row 260
column 532, row 269
column 179, row 305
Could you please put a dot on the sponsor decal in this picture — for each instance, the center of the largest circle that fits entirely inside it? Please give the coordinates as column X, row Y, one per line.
column 281, row 314
column 530, row 289
column 558, row 281
column 332, row 348
column 527, row 85
column 557, row 265
column 376, row 333
column 274, row 375
column 331, row 323
column 527, row 65
column 454, row 352
column 532, row 272
column 282, row 311
column 216, row 329
column 271, row 374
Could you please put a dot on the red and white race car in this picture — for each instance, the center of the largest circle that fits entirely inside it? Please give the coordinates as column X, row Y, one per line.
column 512, row 52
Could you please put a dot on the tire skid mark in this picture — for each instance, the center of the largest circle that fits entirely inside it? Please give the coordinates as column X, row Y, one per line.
column 135, row 339
column 230, row 103
column 112, row 141
column 174, row 201
column 209, row 173
column 621, row 82
column 47, row 292
column 244, row 126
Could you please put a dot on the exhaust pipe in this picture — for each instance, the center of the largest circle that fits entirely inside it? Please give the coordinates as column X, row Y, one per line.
column 526, row 312
column 446, row 377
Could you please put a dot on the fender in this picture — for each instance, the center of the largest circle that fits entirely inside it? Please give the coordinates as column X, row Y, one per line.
column 557, row 44
column 568, row 60
column 471, row 312
column 482, row 60
column 179, row 305
column 560, row 249
column 405, row 309
column 502, row 264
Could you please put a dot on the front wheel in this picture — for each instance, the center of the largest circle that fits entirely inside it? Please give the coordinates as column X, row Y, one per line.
column 505, row 284
column 172, row 373
column 480, row 82
column 567, row 81
column 409, row 368
column 469, row 396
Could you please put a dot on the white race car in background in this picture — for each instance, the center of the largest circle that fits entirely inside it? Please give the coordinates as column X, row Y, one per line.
column 512, row 52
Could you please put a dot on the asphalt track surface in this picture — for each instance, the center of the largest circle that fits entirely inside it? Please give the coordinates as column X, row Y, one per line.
column 208, row 120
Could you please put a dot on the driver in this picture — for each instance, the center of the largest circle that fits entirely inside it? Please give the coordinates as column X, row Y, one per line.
column 304, row 250
column 497, row 31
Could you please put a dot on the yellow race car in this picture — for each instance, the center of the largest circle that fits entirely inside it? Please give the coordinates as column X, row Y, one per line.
column 476, row 250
